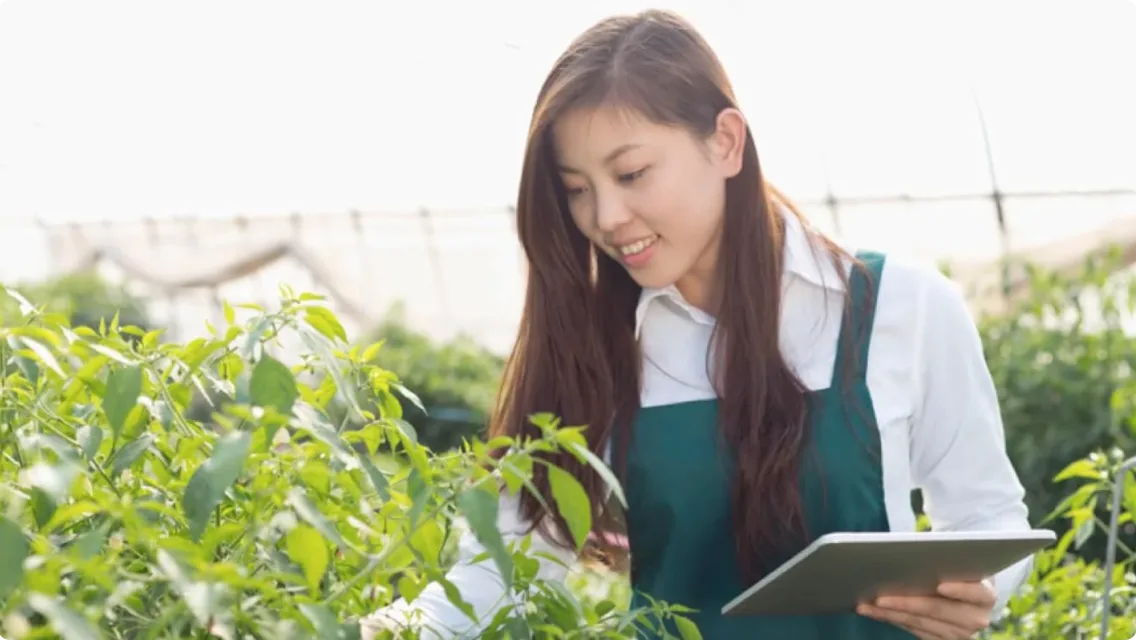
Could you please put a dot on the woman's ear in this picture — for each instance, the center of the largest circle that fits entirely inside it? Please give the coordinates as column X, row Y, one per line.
column 728, row 141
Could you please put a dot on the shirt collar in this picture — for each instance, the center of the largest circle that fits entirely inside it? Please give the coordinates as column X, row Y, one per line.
column 801, row 258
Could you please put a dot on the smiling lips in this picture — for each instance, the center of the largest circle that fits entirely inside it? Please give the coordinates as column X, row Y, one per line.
column 637, row 253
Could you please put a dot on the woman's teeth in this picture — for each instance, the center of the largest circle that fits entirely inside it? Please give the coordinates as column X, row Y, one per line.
column 637, row 247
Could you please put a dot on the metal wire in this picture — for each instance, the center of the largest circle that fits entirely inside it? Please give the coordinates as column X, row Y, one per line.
column 1113, row 534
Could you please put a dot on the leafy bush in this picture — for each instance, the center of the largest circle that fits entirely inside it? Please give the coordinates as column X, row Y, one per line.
column 123, row 514
column 83, row 298
column 124, row 518
column 1063, row 596
column 455, row 380
column 1062, row 362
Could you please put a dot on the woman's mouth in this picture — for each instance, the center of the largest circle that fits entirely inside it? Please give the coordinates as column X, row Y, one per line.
column 636, row 254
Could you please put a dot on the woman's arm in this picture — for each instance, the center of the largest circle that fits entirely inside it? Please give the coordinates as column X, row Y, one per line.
column 480, row 585
column 958, row 448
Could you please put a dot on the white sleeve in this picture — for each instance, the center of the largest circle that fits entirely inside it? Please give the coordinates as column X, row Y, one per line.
column 480, row 585
column 958, row 448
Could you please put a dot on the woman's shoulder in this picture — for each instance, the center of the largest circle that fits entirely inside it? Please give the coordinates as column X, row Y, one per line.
column 915, row 295
column 912, row 279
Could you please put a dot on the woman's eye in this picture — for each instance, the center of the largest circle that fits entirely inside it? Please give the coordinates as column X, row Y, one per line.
column 573, row 192
column 631, row 177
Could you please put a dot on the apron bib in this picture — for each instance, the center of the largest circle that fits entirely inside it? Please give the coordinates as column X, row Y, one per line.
column 678, row 487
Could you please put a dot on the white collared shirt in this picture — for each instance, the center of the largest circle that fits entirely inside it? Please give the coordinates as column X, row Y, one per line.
column 935, row 403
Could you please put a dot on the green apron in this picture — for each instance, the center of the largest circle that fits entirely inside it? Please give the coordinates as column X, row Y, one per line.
column 678, row 491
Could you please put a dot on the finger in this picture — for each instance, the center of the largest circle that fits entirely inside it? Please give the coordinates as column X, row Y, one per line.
column 919, row 624
column 922, row 635
column 977, row 593
column 962, row 615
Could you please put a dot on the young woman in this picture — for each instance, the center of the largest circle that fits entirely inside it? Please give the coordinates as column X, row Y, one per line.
column 754, row 384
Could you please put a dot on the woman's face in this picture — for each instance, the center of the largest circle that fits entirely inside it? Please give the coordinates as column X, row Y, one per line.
column 650, row 196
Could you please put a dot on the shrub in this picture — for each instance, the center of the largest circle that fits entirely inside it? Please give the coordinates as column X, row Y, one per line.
column 84, row 299
column 1061, row 361
column 1063, row 597
column 455, row 380
column 124, row 518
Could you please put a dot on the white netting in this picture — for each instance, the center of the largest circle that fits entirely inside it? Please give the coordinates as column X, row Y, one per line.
column 462, row 272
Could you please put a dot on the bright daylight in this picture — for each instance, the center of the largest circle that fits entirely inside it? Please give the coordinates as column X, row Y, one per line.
column 600, row 319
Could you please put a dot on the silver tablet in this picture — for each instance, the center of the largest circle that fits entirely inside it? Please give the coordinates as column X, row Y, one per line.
column 839, row 570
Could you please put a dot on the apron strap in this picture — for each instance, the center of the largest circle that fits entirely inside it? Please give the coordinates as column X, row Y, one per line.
column 856, row 330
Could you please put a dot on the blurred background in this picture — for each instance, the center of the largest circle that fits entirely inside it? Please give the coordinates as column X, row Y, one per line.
column 203, row 151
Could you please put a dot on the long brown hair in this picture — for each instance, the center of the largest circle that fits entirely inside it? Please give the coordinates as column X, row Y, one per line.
column 576, row 354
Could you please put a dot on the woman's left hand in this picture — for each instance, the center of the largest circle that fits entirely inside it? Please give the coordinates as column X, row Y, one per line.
column 960, row 610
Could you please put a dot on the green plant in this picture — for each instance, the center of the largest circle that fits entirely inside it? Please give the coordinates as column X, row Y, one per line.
column 83, row 298
column 1061, row 361
column 456, row 381
column 1063, row 596
column 121, row 517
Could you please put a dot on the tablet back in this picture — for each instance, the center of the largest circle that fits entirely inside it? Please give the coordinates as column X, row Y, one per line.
column 838, row 571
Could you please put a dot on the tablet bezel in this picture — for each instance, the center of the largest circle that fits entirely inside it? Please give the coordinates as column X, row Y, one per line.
column 840, row 569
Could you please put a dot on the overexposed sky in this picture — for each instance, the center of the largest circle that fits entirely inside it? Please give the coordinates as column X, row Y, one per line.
column 123, row 109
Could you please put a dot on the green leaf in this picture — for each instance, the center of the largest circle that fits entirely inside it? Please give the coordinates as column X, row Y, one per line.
column 389, row 406
column 273, row 385
column 208, row 485
column 204, row 599
column 129, row 453
column 1083, row 468
column 89, row 437
column 687, row 629
column 453, row 594
column 313, row 421
column 377, row 478
column 14, row 548
column 602, row 469
column 112, row 354
column 44, row 354
column 124, row 385
column 248, row 349
column 298, row 499
column 419, row 493
column 67, row 623
column 480, row 509
column 323, row 320
column 604, row 607
column 406, row 428
column 572, row 501
column 322, row 347
column 307, row 548
column 43, row 507
column 322, row 619
column 55, row 480
column 92, row 541
column 371, row 351
column 26, row 307
column 411, row 396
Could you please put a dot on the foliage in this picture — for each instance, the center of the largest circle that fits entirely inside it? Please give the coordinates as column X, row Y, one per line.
column 1062, row 363
column 1063, row 596
column 121, row 517
column 84, row 298
column 456, row 381
column 309, row 495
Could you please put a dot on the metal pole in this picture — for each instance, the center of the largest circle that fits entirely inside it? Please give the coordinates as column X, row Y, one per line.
column 1113, row 534
column 996, row 191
